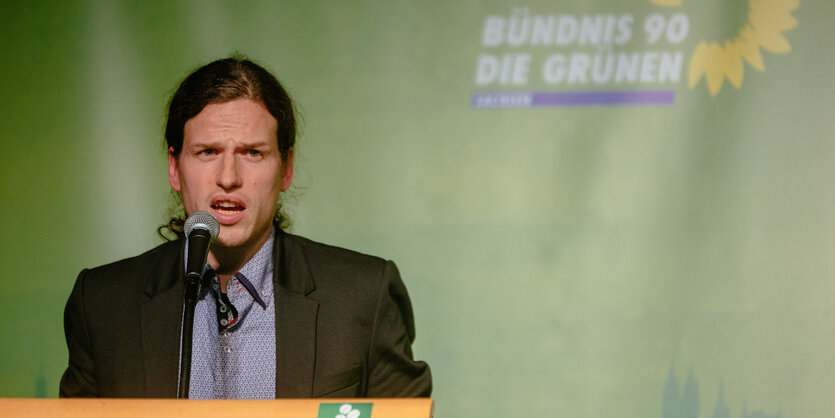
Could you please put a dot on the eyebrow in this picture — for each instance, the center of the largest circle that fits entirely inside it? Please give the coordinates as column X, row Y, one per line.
column 214, row 143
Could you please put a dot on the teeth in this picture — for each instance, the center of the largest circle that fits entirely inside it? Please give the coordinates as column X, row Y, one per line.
column 227, row 208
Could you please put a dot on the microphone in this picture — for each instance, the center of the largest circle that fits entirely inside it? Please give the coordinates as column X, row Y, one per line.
column 201, row 229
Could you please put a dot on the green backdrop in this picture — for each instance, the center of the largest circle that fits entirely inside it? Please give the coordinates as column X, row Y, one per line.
column 600, row 208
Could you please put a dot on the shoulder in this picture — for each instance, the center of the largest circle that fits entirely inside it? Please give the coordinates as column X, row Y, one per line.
column 332, row 259
column 133, row 271
column 334, row 270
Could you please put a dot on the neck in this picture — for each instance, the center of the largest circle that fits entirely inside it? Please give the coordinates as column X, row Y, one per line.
column 226, row 261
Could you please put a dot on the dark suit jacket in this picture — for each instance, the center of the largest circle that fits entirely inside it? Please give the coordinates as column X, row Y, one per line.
column 344, row 326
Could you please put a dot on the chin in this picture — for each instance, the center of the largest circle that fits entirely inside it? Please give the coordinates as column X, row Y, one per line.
column 232, row 236
column 229, row 239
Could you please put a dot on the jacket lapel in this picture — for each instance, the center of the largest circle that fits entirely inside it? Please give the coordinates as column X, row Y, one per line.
column 161, row 314
column 295, row 319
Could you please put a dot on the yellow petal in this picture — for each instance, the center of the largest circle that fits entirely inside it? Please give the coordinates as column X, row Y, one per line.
column 734, row 68
column 666, row 3
column 698, row 64
column 773, row 41
column 771, row 18
column 750, row 49
column 715, row 70
column 789, row 4
column 787, row 23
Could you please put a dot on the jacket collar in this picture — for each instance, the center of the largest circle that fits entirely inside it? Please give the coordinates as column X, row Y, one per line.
column 295, row 319
column 161, row 312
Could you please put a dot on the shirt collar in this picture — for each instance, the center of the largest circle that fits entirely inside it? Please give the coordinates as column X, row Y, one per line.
column 259, row 269
column 254, row 276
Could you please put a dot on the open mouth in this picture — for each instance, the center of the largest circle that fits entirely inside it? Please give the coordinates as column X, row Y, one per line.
column 227, row 208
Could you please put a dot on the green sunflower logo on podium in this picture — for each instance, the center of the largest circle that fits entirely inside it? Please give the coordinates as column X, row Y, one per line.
column 345, row 410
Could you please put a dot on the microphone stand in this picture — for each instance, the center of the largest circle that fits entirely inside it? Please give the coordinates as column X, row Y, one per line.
column 200, row 229
column 190, row 301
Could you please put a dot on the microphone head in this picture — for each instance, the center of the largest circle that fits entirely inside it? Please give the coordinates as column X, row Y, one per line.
column 202, row 220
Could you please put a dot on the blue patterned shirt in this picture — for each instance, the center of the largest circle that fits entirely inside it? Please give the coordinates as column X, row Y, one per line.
column 239, row 364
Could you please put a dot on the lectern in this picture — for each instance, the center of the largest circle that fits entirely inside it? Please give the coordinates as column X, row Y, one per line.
column 185, row 408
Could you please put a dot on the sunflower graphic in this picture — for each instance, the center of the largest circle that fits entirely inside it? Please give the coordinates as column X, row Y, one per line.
column 767, row 20
column 666, row 3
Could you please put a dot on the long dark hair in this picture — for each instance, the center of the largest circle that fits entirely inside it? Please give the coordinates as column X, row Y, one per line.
column 223, row 81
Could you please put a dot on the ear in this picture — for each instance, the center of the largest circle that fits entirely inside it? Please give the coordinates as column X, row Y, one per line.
column 173, row 172
column 287, row 171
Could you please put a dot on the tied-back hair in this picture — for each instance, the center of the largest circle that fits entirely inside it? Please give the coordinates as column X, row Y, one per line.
column 223, row 81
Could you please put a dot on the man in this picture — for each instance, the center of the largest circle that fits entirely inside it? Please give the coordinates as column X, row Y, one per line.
column 279, row 315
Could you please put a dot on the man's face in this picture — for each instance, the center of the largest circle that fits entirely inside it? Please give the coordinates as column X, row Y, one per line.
column 230, row 167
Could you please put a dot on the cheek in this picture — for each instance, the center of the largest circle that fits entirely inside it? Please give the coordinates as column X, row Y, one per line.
column 191, row 192
column 268, row 185
column 194, row 178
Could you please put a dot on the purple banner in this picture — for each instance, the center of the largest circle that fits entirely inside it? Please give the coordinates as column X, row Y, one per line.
column 516, row 99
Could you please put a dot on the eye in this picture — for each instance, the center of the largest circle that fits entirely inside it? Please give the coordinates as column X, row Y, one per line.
column 207, row 152
column 253, row 153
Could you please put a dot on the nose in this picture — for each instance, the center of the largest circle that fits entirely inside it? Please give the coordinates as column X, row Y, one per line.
column 229, row 177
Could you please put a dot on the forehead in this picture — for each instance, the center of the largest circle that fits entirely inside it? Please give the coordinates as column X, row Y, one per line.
column 241, row 119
